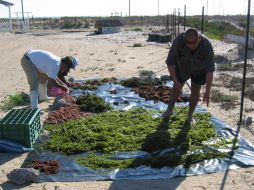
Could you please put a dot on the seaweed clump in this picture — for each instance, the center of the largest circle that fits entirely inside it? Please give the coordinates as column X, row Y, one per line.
column 93, row 84
column 137, row 82
column 92, row 103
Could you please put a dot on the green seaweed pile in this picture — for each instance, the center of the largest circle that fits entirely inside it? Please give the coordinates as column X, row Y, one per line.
column 93, row 84
column 137, row 82
column 171, row 160
column 85, row 87
column 133, row 130
column 92, row 103
column 99, row 82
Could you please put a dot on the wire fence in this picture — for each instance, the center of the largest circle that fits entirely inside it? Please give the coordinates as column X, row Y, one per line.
column 233, row 86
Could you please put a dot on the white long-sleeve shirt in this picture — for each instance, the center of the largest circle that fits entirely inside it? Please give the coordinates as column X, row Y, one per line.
column 45, row 62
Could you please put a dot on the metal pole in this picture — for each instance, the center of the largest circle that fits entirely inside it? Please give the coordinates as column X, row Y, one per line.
column 207, row 8
column 27, row 24
column 44, row 25
column 202, row 22
column 175, row 22
column 171, row 27
column 23, row 18
column 129, row 8
column 158, row 7
column 184, row 19
column 10, row 19
column 167, row 23
column 178, row 22
column 245, row 63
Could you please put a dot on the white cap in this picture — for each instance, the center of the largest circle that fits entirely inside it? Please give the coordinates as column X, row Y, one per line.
column 74, row 61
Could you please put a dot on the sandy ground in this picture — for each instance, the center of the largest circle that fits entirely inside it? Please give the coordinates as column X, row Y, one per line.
column 110, row 55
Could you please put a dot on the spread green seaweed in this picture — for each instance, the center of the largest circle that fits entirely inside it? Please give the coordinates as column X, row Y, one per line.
column 135, row 130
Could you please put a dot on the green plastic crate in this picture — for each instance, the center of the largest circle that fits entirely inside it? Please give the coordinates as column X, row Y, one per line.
column 21, row 125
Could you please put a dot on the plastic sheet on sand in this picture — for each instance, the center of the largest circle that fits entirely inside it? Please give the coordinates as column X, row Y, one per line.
column 71, row 171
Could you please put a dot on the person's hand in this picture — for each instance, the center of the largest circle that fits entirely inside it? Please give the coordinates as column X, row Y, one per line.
column 206, row 98
column 68, row 84
column 68, row 90
column 65, row 89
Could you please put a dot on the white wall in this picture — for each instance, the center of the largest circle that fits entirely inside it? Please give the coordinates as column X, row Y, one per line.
column 241, row 40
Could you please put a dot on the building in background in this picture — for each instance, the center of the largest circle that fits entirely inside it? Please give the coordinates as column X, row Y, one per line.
column 6, row 26
column 108, row 26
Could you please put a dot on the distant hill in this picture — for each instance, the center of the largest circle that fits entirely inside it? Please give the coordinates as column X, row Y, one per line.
column 215, row 29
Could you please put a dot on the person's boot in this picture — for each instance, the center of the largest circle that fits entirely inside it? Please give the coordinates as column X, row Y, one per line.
column 34, row 99
column 43, row 92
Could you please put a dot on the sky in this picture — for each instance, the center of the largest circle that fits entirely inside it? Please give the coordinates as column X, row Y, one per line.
column 56, row 8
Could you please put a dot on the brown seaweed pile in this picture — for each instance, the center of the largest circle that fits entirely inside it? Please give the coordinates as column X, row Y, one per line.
column 48, row 167
column 66, row 113
column 158, row 93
